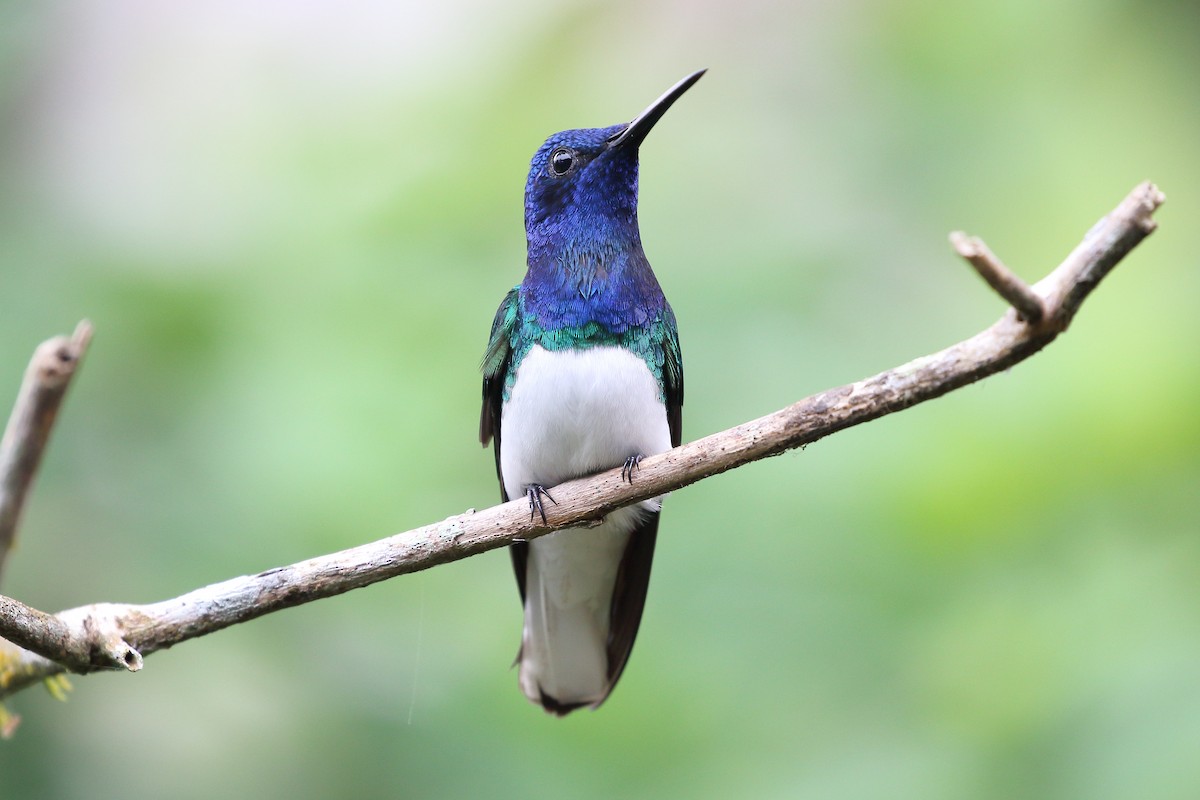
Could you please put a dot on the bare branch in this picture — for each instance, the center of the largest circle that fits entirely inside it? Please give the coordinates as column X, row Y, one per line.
column 49, row 374
column 146, row 628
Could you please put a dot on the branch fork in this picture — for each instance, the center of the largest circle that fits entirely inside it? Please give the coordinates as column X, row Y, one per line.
column 1006, row 283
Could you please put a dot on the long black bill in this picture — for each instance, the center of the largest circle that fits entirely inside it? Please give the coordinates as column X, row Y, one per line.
column 636, row 131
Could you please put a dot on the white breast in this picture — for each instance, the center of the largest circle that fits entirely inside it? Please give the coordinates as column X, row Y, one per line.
column 575, row 412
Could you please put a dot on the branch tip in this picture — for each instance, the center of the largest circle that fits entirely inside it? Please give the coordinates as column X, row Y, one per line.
column 83, row 333
column 1148, row 198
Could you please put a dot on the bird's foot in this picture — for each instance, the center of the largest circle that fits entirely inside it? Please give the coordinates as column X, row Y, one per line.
column 535, row 492
column 632, row 464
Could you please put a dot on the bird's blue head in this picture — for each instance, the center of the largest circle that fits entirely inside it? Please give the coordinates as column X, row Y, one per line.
column 582, row 188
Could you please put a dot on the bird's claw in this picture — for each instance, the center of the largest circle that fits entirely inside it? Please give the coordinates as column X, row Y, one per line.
column 632, row 464
column 535, row 492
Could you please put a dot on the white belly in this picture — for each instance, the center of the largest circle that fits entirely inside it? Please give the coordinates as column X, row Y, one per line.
column 573, row 413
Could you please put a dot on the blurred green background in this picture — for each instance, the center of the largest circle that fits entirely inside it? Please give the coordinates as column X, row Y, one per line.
column 291, row 224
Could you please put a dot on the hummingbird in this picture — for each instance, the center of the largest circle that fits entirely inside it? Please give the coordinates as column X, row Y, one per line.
column 583, row 373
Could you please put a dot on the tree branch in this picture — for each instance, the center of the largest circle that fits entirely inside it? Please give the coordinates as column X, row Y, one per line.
column 54, row 363
column 117, row 636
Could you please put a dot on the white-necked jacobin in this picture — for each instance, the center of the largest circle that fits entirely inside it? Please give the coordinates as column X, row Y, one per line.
column 583, row 373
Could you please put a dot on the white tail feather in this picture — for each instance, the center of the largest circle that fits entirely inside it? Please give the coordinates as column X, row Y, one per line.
column 568, row 596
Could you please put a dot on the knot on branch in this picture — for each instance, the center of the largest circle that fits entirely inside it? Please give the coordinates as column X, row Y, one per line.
column 98, row 640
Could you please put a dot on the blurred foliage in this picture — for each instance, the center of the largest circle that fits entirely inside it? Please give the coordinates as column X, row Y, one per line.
column 291, row 225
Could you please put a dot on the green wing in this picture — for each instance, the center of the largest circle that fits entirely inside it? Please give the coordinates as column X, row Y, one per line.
column 496, row 363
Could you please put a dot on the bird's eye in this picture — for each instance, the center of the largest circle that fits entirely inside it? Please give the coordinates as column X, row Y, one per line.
column 562, row 161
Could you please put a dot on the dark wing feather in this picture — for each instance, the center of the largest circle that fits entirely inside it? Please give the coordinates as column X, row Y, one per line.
column 673, row 378
column 629, row 596
column 496, row 363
